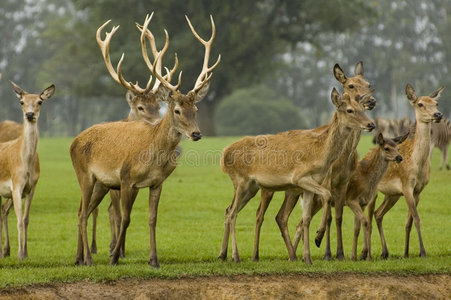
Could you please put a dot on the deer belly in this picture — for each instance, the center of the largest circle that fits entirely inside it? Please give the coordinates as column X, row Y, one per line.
column 390, row 187
column 273, row 182
column 6, row 188
column 107, row 177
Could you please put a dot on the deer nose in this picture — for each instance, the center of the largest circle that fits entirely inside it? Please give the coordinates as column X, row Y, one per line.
column 438, row 116
column 372, row 103
column 370, row 126
column 196, row 135
column 398, row 158
column 30, row 116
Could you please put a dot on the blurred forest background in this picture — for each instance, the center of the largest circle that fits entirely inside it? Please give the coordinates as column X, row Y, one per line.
column 277, row 57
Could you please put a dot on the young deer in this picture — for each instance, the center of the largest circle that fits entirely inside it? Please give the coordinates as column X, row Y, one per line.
column 355, row 86
column 362, row 187
column 19, row 163
column 411, row 177
column 137, row 154
column 254, row 162
column 143, row 106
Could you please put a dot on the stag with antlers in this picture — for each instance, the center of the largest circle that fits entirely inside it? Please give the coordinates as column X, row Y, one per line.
column 137, row 154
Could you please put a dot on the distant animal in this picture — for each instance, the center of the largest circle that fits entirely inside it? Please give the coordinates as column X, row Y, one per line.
column 392, row 128
column 440, row 138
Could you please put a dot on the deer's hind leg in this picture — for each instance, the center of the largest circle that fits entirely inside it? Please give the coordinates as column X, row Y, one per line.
column 5, row 211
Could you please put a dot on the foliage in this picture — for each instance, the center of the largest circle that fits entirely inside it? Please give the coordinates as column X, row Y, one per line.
column 191, row 223
column 256, row 110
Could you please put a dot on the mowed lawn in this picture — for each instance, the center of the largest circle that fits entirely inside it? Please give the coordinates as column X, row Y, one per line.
column 191, row 223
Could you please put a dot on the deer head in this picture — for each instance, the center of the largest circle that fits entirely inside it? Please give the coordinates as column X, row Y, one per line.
column 142, row 107
column 31, row 103
column 181, row 107
column 356, row 85
column 389, row 147
column 351, row 112
column 425, row 106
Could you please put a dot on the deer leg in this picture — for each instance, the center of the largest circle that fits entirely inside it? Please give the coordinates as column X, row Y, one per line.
column 266, row 197
column 225, row 239
column 5, row 211
column 154, row 198
column 340, row 196
column 371, row 206
column 412, row 202
column 362, row 219
column 95, row 213
column 79, row 259
column 327, row 252
column 386, row 205
column 356, row 238
column 291, row 198
column 1, row 229
column 128, row 197
column 244, row 194
column 87, row 187
column 17, row 201
column 299, row 234
column 26, row 218
column 114, row 213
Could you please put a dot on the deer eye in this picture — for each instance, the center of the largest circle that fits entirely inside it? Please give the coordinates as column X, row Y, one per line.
column 21, row 102
column 349, row 111
column 39, row 102
column 420, row 104
column 140, row 108
column 177, row 112
column 386, row 149
column 351, row 86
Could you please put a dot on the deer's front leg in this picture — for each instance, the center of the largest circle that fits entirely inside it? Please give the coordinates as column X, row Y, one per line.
column 154, row 199
column 26, row 217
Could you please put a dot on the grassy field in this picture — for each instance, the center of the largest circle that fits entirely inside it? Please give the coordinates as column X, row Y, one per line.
column 190, row 227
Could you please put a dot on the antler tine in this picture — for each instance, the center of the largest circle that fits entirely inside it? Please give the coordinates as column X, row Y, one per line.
column 170, row 73
column 203, row 76
column 145, row 32
column 165, row 82
column 117, row 76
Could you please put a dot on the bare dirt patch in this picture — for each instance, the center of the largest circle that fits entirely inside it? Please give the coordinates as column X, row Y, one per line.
column 336, row 286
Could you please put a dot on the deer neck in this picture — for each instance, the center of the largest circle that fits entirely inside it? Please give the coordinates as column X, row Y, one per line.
column 337, row 137
column 29, row 140
column 422, row 141
column 377, row 165
column 167, row 136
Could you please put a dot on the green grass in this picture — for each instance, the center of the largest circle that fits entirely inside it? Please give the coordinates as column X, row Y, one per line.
column 191, row 222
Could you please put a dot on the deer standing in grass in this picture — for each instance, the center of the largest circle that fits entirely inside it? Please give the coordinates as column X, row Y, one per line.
column 137, row 154
column 19, row 164
column 362, row 187
column 143, row 106
column 355, row 86
column 254, row 162
column 411, row 177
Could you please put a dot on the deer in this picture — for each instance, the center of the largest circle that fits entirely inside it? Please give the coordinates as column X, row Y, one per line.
column 132, row 155
column 19, row 164
column 362, row 187
column 143, row 106
column 411, row 177
column 355, row 86
column 252, row 163
column 441, row 137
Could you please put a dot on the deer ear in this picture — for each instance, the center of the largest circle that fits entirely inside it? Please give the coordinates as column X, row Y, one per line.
column 48, row 92
column 399, row 139
column 202, row 92
column 380, row 139
column 335, row 96
column 339, row 74
column 17, row 89
column 130, row 97
column 435, row 95
column 410, row 92
column 163, row 93
column 358, row 70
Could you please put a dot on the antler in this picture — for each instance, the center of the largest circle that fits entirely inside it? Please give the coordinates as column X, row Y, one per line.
column 117, row 76
column 203, row 76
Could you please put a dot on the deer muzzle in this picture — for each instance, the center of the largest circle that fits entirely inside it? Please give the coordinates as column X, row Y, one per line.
column 398, row 159
column 196, row 135
column 438, row 117
column 29, row 116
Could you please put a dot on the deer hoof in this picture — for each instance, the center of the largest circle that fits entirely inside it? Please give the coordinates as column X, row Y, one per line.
column 154, row 263
column 308, row 260
column 384, row 255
